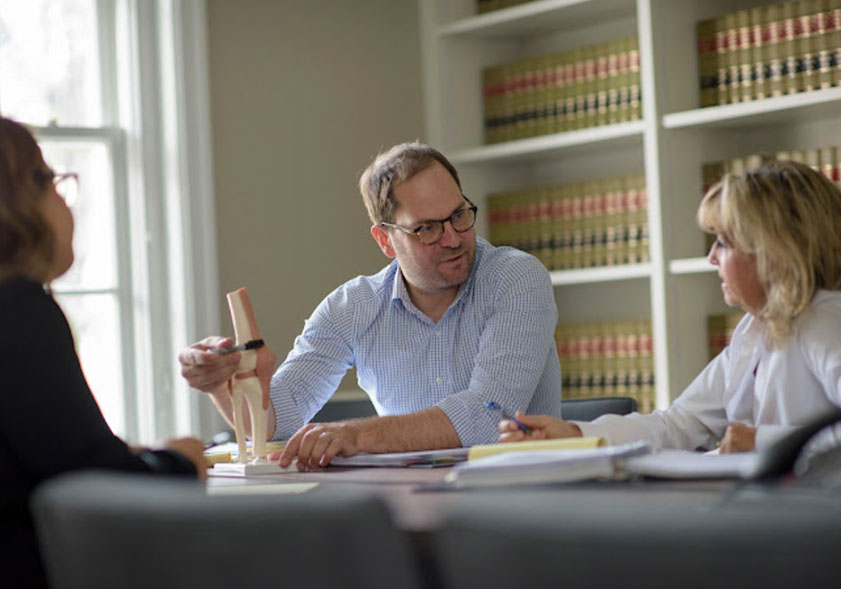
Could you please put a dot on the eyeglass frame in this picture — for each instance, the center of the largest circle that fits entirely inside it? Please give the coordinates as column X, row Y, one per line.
column 416, row 231
column 58, row 178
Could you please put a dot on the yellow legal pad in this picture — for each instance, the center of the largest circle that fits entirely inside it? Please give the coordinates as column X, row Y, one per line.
column 562, row 444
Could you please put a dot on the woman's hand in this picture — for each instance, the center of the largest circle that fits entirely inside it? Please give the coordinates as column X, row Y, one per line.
column 193, row 450
column 543, row 427
column 738, row 437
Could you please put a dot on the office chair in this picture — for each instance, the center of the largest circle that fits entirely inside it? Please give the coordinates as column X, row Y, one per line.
column 130, row 531
column 564, row 537
column 589, row 409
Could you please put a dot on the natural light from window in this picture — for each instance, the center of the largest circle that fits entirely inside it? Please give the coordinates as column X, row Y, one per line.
column 50, row 76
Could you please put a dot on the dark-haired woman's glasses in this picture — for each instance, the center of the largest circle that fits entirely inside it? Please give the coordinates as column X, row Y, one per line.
column 67, row 186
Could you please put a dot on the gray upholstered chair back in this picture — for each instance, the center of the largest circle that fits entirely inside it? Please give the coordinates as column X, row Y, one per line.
column 106, row 530
column 589, row 409
column 579, row 536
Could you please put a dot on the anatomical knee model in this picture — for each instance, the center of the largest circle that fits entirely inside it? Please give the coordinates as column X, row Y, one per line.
column 250, row 383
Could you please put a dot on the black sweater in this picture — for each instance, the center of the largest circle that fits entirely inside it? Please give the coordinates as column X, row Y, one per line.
column 49, row 422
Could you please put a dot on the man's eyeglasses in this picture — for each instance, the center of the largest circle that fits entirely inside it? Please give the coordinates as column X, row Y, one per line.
column 430, row 232
column 67, row 185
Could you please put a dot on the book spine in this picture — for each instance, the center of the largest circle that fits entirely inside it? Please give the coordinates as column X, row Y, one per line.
column 590, row 86
column 760, row 37
column 608, row 348
column 733, row 93
column 833, row 28
column 635, row 108
column 806, row 45
column 544, row 222
column 646, row 355
column 633, row 228
column 745, row 55
column 642, row 212
column 613, row 222
column 776, row 65
column 822, row 45
column 790, row 46
column 577, row 213
column 602, row 83
column 707, row 74
column 623, row 82
column 556, row 200
column 587, row 224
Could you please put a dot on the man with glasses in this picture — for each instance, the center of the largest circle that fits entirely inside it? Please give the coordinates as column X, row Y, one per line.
column 451, row 324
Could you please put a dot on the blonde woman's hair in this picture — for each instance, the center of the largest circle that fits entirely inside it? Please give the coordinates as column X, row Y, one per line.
column 789, row 217
column 390, row 168
column 26, row 240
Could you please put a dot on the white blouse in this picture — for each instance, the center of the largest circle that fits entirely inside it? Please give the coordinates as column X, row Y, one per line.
column 772, row 389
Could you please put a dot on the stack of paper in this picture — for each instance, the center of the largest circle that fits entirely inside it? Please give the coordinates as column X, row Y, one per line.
column 543, row 466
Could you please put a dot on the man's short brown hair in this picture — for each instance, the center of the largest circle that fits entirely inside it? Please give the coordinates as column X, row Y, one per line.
column 390, row 168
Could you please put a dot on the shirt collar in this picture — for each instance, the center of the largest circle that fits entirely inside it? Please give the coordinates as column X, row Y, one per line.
column 399, row 292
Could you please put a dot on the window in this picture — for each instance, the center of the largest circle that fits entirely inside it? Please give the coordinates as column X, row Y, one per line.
column 102, row 85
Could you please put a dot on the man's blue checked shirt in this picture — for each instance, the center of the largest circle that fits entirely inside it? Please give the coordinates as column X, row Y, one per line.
column 494, row 343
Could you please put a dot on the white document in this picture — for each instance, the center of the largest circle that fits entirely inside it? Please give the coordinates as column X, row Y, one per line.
column 543, row 466
column 680, row 464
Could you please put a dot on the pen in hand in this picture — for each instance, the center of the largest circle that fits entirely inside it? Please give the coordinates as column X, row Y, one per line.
column 254, row 344
column 494, row 406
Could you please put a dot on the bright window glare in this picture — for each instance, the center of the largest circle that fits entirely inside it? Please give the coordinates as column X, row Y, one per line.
column 49, row 62
column 94, row 239
column 95, row 322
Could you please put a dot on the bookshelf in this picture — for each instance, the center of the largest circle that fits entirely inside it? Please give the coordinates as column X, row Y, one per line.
column 675, row 288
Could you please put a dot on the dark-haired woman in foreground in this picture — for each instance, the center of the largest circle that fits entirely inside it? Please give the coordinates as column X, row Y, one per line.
column 49, row 421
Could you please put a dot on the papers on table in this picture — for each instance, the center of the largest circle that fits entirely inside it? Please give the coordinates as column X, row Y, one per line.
column 680, row 464
column 543, row 466
column 451, row 456
column 424, row 458
column 634, row 459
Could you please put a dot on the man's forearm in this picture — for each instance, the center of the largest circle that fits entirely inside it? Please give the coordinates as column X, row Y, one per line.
column 423, row 430
column 224, row 404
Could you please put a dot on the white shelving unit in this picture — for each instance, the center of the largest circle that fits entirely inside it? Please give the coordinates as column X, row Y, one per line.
column 677, row 289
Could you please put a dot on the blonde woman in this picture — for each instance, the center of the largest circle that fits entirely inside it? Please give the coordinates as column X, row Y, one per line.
column 778, row 253
column 49, row 421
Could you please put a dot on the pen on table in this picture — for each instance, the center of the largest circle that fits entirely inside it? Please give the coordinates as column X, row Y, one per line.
column 497, row 407
column 254, row 344
column 218, row 439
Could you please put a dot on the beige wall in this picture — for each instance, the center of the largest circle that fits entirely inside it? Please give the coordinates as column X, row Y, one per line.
column 303, row 94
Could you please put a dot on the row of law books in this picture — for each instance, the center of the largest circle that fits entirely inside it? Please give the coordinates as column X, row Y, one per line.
column 770, row 50
column 586, row 224
column 612, row 358
column 585, row 87
column 720, row 331
column 826, row 160
column 483, row 6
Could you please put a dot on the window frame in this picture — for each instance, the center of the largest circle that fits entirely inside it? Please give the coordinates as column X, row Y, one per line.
column 156, row 127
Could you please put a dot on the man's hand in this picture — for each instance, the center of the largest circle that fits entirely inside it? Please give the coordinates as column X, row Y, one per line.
column 738, row 437
column 543, row 427
column 316, row 444
column 207, row 371
column 193, row 449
